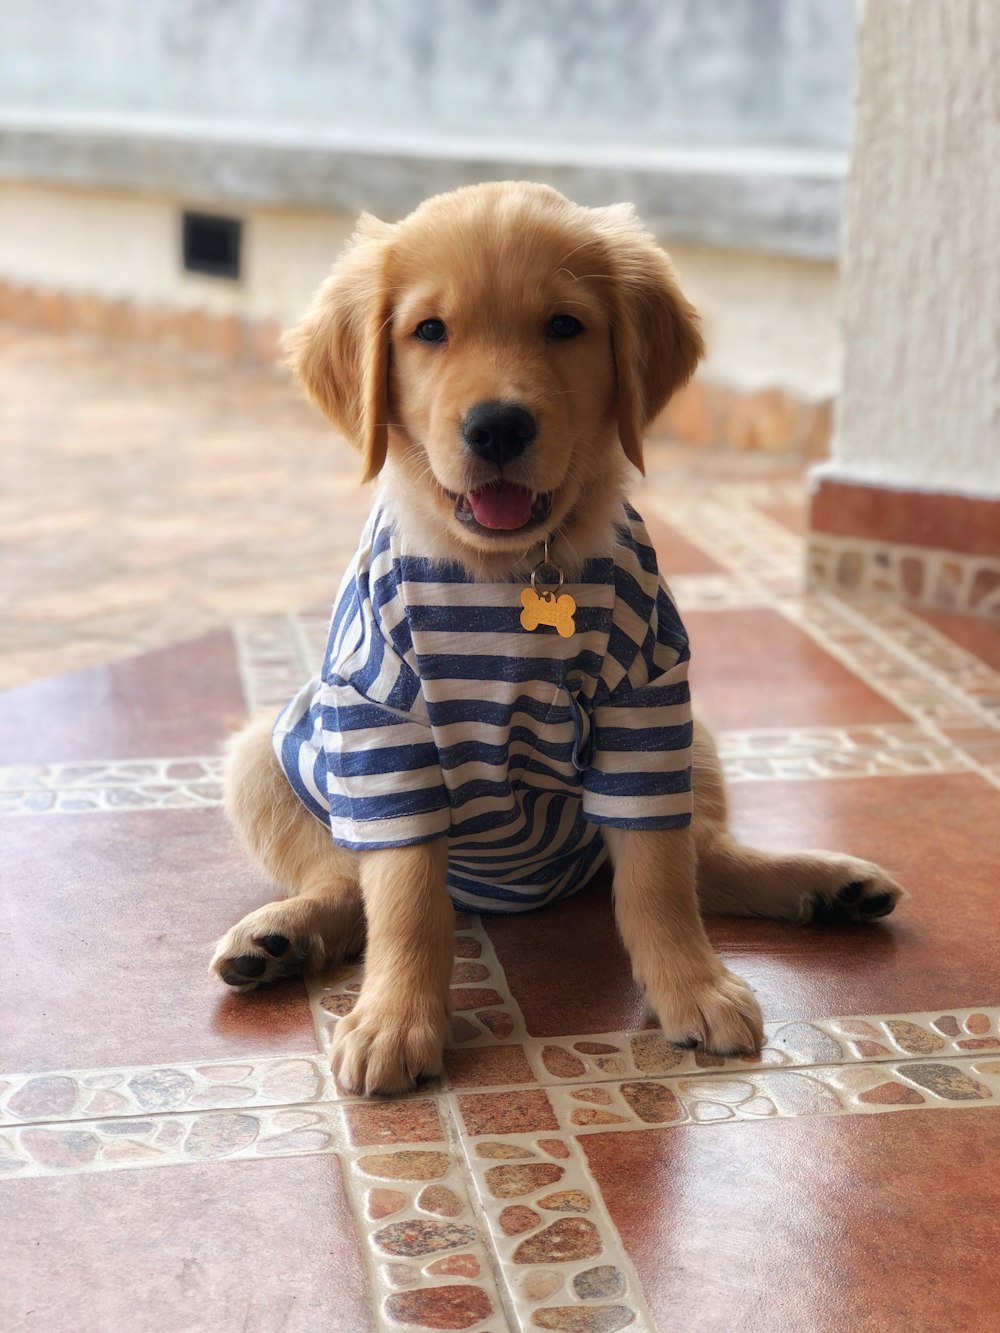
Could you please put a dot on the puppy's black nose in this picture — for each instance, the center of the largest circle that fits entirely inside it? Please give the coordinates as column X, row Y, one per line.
column 499, row 431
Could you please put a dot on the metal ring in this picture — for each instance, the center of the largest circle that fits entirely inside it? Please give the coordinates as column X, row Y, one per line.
column 547, row 564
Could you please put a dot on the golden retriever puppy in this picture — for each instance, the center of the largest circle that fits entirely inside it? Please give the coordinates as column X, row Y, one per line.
column 504, row 701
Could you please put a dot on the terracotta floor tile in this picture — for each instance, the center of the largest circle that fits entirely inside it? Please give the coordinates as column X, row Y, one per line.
column 486, row 1066
column 569, row 973
column 110, row 923
column 183, row 700
column 981, row 637
column 936, row 835
column 567, row 968
column 520, row 1112
column 406, row 1121
column 228, row 1247
column 753, row 669
column 864, row 1224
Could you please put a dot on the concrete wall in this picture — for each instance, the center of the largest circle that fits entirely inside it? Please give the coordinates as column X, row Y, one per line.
column 636, row 71
column 920, row 402
column 724, row 121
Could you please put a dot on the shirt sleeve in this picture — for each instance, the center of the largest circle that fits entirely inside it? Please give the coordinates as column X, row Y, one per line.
column 383, row 775
column 382, row 770
column 639, row 775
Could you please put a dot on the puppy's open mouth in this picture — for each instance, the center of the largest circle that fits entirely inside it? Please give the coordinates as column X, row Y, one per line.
column 503, row 507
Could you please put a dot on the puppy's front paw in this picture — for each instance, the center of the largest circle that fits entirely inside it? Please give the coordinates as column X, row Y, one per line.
column 716, row 1011
column 379, row 1050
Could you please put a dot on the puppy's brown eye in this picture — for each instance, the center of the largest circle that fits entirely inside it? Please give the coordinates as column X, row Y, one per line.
column 564, row 326
column 431, row 331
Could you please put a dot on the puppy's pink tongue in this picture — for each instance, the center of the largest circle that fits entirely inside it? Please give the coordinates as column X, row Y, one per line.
column 504, row 506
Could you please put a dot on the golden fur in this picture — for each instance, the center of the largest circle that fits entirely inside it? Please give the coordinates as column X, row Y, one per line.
column 496, row 263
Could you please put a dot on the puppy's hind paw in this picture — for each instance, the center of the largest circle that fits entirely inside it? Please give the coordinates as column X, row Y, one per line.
column 865, row 894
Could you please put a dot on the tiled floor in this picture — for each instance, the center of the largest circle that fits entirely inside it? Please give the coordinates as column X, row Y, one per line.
column 178, row 1158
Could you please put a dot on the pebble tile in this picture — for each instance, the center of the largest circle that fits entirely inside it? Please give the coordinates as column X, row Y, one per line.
column 503, row 1151
column 440, row 1200
column 517, row 1218
column 383, row 1203
column 417, row 1237
column 565, row 1201
column 584, row 1319
column 953, row 1084
column 405, row 1165
column 568, row 1238
column 455, row 1265
column 561, row 1062
column 510, row 1182
column 540, row 1284
column 459, row 1306
column 599, row 1283
column 652, row 1102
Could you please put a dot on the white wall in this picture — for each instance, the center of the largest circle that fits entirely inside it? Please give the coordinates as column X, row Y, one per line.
column 769, row 321
column 920, row 400
column 118, row 245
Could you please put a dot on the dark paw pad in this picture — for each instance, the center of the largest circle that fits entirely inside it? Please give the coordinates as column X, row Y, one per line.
column 826, row 913
column 276, row 945
column 850, row 906
column 247, row 966
column 850, row 893
column 879, row 905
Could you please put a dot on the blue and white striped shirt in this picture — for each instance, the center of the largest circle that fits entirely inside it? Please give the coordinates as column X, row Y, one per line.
column 437, row 714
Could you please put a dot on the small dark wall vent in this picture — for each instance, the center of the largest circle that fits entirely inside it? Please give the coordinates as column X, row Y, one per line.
column 211, row 244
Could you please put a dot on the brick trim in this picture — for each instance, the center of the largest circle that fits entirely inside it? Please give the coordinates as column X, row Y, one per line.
column 229, row 337
column 965, row 525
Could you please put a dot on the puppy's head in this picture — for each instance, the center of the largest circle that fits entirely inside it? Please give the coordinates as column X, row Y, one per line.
column 506, row 350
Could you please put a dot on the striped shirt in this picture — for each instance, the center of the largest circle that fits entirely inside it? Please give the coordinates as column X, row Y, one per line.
column 437, row 714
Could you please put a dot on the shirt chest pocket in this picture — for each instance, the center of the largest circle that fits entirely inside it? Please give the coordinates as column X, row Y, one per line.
column 553, row 748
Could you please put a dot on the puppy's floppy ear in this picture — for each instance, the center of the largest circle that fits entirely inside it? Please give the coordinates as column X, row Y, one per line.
column 655, row 335
column 340, row 350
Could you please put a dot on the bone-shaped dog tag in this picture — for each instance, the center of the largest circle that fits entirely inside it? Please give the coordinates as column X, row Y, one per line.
column 548, row 609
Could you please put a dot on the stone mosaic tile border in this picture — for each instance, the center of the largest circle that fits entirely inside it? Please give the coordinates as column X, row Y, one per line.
column 97, row 1094
column 186, row 783
column 961, row 672
column 795, row 1044
column 823, row 1090
column 560, row 1256
column 918, row 575
column 715, row 592
column 276, row 655
column 890, row 750
column 169, row 1139
column 427, row 1257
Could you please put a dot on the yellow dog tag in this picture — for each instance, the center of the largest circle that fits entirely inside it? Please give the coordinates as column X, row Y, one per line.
column 548, row 609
